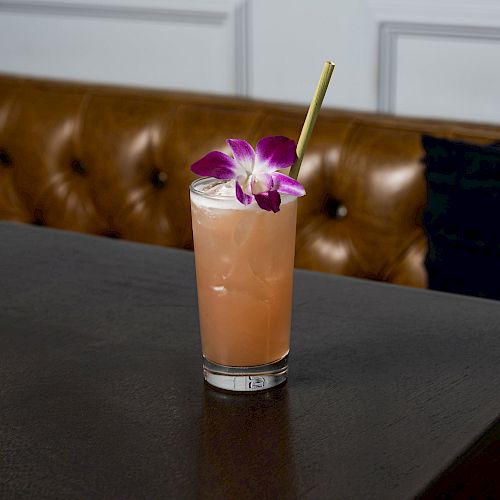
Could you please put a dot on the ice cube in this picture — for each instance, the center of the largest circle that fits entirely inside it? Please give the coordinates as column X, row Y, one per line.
column 226, row 266
column 220, row 188
column 241, row 233
column 265, row 268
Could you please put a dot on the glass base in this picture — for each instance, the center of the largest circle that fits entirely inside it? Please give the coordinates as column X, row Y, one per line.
column 246, row 378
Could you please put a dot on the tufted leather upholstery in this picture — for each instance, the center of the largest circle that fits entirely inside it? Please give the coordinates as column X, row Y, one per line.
column 114, row 162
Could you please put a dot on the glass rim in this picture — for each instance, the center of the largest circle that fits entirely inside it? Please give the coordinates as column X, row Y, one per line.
column 228, row 197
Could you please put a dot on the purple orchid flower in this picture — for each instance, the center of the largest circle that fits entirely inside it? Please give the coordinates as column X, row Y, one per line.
column 255, row 172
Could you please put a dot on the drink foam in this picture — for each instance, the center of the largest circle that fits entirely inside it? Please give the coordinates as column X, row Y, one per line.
column 215, row 193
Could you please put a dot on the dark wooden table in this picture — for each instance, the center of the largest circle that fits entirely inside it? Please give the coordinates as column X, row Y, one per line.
column 392, row 391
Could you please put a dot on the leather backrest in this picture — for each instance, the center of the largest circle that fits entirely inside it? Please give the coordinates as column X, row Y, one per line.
column 115, row 162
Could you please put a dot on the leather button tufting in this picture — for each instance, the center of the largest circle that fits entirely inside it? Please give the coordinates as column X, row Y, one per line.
column 341, row 212
column 159, row 178
column 335, row 209
column 5, row 158
column 78, row 167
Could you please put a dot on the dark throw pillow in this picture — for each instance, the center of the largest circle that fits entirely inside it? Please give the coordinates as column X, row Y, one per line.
column 462, row 217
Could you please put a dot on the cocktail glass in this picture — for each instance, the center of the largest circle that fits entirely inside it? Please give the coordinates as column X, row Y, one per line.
column 244, row 272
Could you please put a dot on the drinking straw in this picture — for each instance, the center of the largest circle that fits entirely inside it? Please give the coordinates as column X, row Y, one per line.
column 311, row 116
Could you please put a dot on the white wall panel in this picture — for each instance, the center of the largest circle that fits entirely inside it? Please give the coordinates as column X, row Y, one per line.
column 439, row 58
column 424, row 46
column 197, row 46
column 452, row 77
column 292, row 38
column 419, row 57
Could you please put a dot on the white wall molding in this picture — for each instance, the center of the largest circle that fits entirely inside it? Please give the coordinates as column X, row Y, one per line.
column 243, row 43
column 145, row 11
column 444, row 12
column 230, row 15
column 390, row 33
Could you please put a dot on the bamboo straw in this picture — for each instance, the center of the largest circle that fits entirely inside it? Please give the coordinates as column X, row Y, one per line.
column 311, row 116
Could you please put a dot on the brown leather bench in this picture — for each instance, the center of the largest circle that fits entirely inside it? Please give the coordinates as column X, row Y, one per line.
column 115, row 161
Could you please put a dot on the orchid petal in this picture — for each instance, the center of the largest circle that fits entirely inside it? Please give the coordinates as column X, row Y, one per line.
column 262, row 182
column 243, row 153
column 216, row 164
column 275, row 152
column 285, row 184
column 269, row 200
column 244, row 198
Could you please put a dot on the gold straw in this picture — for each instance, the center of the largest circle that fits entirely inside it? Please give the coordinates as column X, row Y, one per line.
column 311, row 116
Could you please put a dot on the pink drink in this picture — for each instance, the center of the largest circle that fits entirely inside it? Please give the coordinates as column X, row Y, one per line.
column 244, row 270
